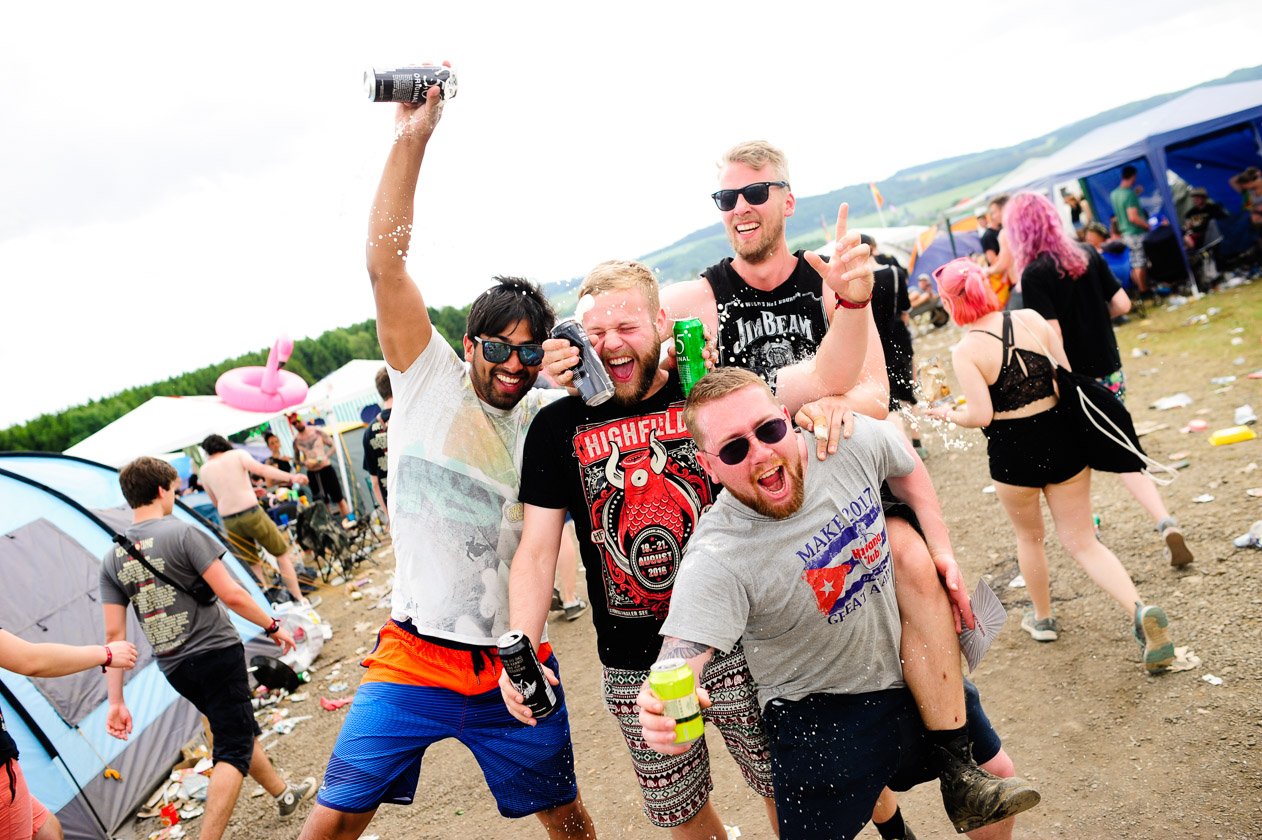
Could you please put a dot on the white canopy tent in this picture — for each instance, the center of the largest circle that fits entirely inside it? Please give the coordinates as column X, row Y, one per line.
column 169, row 424
column 165, row 424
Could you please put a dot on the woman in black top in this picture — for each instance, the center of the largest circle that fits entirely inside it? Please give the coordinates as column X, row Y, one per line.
column 1069, row 284
column 1010, row 391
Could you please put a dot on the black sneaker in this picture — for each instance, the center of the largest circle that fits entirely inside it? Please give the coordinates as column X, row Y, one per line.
column 556, row 600
column 974, row 798
column 574, row 610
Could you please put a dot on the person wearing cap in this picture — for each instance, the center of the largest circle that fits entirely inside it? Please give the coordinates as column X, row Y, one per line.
column 1199, row 215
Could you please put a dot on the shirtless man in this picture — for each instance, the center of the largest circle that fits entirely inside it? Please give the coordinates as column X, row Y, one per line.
column 226, row 477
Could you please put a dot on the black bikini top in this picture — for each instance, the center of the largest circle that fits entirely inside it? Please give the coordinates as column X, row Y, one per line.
column 1025, row 377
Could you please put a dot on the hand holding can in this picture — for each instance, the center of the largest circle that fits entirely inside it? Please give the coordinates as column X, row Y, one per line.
column 526, row 674
column 590, row 377
column 675, row 685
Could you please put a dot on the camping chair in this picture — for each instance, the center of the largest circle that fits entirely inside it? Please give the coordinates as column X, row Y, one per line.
column 317, row 531
column 1202, row 259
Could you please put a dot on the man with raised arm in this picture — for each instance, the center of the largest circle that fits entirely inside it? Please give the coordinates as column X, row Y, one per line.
column 456, row 434
column 768, row 307
column 627, row 472
column 814, row 609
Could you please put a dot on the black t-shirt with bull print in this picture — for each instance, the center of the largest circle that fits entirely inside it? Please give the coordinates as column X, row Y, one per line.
column 630, row 479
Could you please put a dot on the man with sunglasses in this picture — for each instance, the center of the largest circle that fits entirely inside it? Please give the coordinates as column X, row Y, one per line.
column 815, row 609
column 456, row 434
column 768, row 306
column 627, row 472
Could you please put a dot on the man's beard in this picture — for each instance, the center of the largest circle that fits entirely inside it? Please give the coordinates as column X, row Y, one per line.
column 758, row 251
column 484, row 387
column 631, row 393
column 751, row 498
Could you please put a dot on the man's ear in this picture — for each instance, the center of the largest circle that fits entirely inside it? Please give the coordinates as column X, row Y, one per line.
column 468, row 348
column 706, row 460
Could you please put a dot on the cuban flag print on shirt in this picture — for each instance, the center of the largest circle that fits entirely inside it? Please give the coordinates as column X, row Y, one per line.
column 845, row 556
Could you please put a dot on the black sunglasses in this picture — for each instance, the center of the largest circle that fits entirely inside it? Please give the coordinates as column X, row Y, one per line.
column 497, row 352
column 754, row 194
column 735, row 451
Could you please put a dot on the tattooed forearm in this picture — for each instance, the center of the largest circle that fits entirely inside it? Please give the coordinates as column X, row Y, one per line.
column 673, row 648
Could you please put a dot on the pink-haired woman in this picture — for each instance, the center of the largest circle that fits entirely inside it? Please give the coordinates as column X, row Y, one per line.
column 1010, row 392
column 1070, row 285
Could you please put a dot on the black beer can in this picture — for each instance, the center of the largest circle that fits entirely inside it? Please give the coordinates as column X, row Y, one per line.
column 526, row 674
column 590, row 377
column 408, row 84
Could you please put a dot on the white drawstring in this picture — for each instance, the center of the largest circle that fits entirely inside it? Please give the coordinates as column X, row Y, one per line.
column 1091, row 410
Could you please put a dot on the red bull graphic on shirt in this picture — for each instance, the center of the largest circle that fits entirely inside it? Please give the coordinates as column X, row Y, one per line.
column 644, row 492
column 848, row 558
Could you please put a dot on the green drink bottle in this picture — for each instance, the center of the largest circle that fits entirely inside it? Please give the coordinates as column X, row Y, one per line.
column 689, row 344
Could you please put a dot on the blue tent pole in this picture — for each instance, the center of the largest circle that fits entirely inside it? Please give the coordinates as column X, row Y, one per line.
column 1157, row 163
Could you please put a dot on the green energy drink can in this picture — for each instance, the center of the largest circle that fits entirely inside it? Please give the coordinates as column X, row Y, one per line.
column 673, row 682
column 689, row 344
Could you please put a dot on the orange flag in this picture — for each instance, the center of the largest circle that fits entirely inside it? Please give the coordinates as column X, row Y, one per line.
column 876, row 196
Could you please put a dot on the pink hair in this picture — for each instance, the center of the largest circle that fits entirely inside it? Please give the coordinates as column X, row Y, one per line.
column 965, row 290
column 1034, row 228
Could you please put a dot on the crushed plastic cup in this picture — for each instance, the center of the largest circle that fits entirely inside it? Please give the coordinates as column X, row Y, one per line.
column 1179, row 400
column 1251, row 538
column 1197, row 425
column 1245, row 415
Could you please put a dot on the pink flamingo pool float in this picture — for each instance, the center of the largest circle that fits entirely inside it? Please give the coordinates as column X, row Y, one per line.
column 265, row 388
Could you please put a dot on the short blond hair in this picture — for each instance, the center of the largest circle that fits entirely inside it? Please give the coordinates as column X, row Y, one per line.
column 714, row 386
column 619, row 276
column 757, row 154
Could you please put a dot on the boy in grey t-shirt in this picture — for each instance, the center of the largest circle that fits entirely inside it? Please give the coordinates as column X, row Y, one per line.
column 195, row 644
column 796, row 563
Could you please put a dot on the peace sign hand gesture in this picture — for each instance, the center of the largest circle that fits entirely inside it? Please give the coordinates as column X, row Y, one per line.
column 849, row 272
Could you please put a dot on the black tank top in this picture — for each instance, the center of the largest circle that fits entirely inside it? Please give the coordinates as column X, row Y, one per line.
column 765, row 331
column 1024, row 377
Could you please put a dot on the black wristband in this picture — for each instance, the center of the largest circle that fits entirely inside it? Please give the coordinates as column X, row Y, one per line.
column 274, row 628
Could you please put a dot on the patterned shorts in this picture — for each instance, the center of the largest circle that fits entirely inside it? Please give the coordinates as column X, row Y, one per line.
column 1115, row 382
column 1135, row 241
column 675, row 787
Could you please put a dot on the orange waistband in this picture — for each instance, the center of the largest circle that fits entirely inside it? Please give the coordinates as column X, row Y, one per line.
column 401, row 657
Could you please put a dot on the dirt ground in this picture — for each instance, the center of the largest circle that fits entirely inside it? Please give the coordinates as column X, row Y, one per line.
column 1115, row 753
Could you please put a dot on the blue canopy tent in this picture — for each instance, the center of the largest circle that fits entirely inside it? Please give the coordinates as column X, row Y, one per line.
column 1204, row 136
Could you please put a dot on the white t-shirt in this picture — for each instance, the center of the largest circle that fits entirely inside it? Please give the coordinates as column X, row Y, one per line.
column 454, row 465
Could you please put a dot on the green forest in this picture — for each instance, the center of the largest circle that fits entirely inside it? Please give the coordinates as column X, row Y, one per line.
column 312, row 359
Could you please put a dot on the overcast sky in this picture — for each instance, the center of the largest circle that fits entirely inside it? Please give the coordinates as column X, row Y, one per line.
column 183, row 182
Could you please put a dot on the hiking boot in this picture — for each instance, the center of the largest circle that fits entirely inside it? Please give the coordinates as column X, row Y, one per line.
column 1040, row 629
column 288, row 801
column 1151, row 631
column 574, row 610
column 974, row 798
column 1177, row 551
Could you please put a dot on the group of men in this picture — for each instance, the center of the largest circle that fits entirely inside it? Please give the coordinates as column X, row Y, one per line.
column 809, row 580
column 484, row 468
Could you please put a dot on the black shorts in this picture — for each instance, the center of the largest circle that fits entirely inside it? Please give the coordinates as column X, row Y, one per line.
column 324, row 483
column 895, row 508
column 1034, row 451
column 832, row 753
column 216, row 682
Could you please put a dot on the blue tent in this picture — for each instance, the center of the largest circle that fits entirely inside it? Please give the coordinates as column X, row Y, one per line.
column 56, row 512
column 1204, row 136
column 945, row 247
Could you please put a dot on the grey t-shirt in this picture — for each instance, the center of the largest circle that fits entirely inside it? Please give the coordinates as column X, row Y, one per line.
column 176, row 626
column 812, row 596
